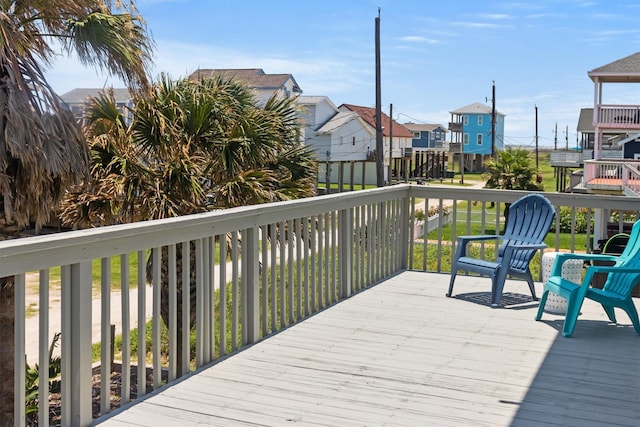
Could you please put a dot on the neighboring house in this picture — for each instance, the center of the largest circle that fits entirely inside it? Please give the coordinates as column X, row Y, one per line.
column 426, row 135
column 397, row 139
column 338, row 138
column 472, row 126
column 265, row 85
column 345, row 136
column 616, row 133
column 77, row 100
column 430, row 159
column 615, row 143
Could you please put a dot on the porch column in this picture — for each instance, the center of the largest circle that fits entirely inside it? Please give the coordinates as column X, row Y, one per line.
column 597, row 99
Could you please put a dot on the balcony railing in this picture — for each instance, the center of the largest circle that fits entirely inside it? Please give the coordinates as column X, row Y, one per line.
column 615, row 175
column 618, row 116
column 569, row 158
column 249, row 272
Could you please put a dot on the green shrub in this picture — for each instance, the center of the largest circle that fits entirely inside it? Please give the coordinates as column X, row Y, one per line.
column 566, row 215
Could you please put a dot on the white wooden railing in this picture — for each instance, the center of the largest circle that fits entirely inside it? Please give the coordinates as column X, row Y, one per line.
column 613, row 174
column 255, row 271
column 618, row 116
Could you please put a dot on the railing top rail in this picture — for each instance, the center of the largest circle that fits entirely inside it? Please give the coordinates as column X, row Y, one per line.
column 618, row 106
column 613, row 160
column 34, row 253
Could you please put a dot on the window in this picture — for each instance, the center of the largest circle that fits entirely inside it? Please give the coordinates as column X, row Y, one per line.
column 480, row 120
column 479, row 139
column 465, row 120
column 465, row 138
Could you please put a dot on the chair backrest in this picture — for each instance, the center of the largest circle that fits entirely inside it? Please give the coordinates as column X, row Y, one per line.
column 623, row 283
column 530, row 218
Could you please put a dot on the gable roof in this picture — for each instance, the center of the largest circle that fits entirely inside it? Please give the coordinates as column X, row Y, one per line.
column 475, row 108
column 368, row 114
column 340, row 119
column 82, row 95
column 255, row 78
column 315, row 100
column 626, row 69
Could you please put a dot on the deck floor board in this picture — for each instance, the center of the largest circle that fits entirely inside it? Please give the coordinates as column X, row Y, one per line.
column 402, row 354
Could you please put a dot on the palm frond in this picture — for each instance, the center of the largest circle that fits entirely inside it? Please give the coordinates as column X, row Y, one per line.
column 114, row 42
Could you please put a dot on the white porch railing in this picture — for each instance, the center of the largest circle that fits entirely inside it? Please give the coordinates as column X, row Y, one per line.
column 612, row 175
column 255, row 270
column 618, row 116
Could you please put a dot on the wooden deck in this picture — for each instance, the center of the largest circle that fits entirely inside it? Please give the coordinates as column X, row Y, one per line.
column 610, row 183
column 402, row 354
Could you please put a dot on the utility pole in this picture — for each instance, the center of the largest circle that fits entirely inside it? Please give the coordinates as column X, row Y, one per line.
column 566, row 137
column 536, row 137
column 493, row 120
column 555, row 138
column 379, row 138
column 390, row 142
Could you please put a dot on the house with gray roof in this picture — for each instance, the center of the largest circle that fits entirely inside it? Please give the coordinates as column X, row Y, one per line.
column 265, row 85
column 605, row 173
column 76, row 100
column 472, row 127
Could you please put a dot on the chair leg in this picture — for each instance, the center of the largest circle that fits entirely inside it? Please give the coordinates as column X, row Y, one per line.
column 573, row 311
column 629, row 307
column 497, row 287
column 453, row 278
column 543, row 301
column 610, row 313
column 532, row 288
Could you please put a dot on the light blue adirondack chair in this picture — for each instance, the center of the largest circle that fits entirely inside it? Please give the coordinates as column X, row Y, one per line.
column 622, row 277
column 528, row 222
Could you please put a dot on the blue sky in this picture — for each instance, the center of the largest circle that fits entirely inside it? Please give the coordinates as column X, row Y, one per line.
column 436, row 56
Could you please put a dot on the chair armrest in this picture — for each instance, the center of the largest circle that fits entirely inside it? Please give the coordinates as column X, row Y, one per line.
column 612, row 269
column 464, row 240
column 480, row 237
column 593, row 269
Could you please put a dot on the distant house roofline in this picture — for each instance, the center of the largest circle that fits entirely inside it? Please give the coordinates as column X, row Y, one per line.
column 255, row 78
column 368, row 114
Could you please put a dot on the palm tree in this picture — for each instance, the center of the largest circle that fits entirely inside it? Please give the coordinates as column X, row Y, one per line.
column 192, row 146
column 512, row 170
column 42, row 150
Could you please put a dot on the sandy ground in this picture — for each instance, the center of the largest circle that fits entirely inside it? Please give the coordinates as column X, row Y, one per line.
column 32, row 321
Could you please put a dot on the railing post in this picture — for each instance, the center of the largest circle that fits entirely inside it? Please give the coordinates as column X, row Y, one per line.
column 252, row 283
column 19, row 351
column 345, row 265
column 406, row 235
column 76, row 349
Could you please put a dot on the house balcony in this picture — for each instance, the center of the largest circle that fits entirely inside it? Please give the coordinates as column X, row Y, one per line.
column 625, row 117
column 613, row 176
column 325, row 310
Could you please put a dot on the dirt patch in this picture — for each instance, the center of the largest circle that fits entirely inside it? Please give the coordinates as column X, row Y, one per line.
column 115, row 393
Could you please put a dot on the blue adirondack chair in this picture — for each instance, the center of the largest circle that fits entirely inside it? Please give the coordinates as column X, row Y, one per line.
column 622, row 277
column 528, row 222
